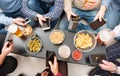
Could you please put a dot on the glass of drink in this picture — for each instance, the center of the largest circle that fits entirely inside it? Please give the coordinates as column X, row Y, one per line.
column 28, row 31
column 13, row 28
column 104, row 36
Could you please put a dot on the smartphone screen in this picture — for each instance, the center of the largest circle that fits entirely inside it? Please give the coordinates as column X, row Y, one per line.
column 46, row 24
column 96, row 24
column 49, row 57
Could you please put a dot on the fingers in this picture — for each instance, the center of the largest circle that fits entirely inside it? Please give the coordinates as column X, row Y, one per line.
column 6, row 43
column 50, row 63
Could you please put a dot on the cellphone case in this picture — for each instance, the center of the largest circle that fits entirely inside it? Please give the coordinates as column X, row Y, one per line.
column 49, row 57
column 96, row 24
column 46, row 24
column 95, row 59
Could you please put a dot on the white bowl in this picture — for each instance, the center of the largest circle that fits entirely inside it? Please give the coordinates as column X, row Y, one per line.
column 64, row 51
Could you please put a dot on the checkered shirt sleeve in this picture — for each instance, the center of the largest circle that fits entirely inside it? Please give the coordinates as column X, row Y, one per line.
column 57, row 11
column 113, row 53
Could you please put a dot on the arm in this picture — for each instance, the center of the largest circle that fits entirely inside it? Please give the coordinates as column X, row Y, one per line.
column 68, row 9
column 9, row 20
column 54, row 67
column 57, row 11
column 5, row 20
column 116, row 30
column 109, row 66
column 101, row 13
column 5, row 51
column 28, row 12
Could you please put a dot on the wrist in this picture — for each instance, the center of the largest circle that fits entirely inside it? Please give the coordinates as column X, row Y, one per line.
column 115, row 70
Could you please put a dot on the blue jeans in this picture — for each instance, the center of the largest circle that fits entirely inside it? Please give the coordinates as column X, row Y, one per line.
column 15, row 14
column 85, row 15
column 112, row 15
column 42, row 8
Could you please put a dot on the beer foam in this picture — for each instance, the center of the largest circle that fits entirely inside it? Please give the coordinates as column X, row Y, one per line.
column 105, row 36
column 12, row 28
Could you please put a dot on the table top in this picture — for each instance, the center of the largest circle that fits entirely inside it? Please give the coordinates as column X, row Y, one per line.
column 47, row 45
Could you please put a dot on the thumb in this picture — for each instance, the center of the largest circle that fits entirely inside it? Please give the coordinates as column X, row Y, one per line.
column 105, row 62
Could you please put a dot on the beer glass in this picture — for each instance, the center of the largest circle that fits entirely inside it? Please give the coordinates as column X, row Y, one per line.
column 13, row 28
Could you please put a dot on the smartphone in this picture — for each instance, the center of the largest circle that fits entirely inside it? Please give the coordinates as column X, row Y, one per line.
column 75, row 18
column 49, row 57
column 27, row 21
column 95, row 59
column 46, row 24
column 97, row 24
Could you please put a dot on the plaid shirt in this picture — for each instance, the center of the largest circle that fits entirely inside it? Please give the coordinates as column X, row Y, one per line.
column 113, row 53
column 58, row 9
column 53, row 15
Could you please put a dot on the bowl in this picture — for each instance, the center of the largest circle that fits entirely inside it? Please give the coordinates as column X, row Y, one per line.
column 57, row 36
column 76, row 55
column 64, row 51
column 33, row 45
column 84, row 41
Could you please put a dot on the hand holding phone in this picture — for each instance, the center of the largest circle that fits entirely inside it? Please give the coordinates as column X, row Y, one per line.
column 96, row 59
column 96, row 24
column 49, row 57
column 46, row 24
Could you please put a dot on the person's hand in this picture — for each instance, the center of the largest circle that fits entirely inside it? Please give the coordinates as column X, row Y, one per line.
column 100, row 14
column 54, row 66
column 19, row 21
column 112, row 34
column 90, row 4
column 7, row 49
column 45, row 73
column 69, row 13
column 41, row 18
column 109, row 66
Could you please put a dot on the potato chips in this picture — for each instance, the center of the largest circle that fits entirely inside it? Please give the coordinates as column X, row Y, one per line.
column 83, row 40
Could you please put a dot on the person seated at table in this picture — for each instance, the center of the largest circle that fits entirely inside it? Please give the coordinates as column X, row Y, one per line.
column 111, row 13
column 111, row 67
column 85, row 9
column 112, row 53
column 58, row 68
column 51, row 9
column 11, row 12
column 7, row 63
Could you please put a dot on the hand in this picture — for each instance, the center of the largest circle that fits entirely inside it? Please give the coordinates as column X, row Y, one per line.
column 109, row 66
column 101, row 13
column 7, row 49
column 19, row 21
column 41, row 18
column 45, row 73
column 54, row 66
column 69, row 14
column 112, row 34
column 90, row 4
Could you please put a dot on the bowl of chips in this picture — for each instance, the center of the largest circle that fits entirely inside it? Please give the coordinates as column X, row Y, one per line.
column 57, row 36
column 84, row 41
column 33, row 45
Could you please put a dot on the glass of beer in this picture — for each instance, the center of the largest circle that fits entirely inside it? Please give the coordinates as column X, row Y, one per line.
column 13, row 28
column 104, row 36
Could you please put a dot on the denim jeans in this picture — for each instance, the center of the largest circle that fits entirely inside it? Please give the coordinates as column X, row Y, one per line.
column 42, row 8
column 15, row 14
column 85, row 15
column 112, row 15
